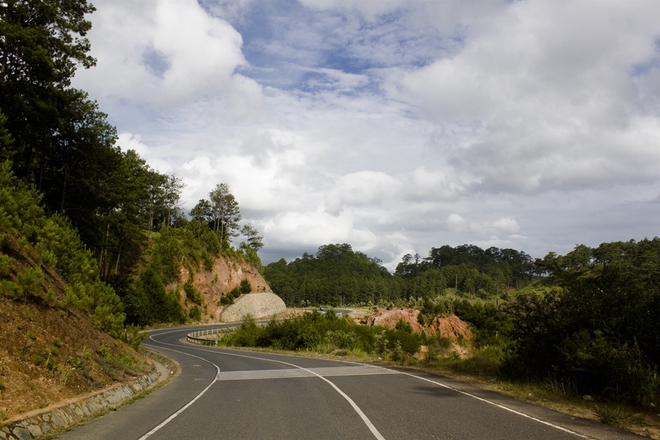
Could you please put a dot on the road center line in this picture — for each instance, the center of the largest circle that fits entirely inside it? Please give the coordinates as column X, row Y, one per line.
column 366, row 420
column 355, row 407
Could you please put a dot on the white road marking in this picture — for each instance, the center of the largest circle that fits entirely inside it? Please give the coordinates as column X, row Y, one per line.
column 356, row 408
column 186, row 406
column 465, row 393
column 292, row 373
column 365, row 419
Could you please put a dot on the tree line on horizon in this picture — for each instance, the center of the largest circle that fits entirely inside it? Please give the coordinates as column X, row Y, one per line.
column 338, row 275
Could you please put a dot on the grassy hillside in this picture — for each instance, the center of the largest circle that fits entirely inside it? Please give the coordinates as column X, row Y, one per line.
column 60, row 325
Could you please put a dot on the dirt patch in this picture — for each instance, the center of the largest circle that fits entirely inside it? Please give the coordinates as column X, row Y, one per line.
column 226, row 275
column 452, row 327
column 446, row 326
column 389, row 319
column 449, row 326
column 49, row 355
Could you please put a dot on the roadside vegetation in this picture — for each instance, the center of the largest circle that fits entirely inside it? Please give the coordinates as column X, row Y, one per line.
column 72, row 186
column 327, row 333
column 581, row 327
column 91, row 237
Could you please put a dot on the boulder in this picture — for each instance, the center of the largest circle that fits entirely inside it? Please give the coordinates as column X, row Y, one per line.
column 258, row 305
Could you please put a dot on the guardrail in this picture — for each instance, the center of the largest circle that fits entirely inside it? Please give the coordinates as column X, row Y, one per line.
column 196, row 337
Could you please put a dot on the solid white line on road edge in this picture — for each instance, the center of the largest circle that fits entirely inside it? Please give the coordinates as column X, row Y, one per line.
column 561, row 428
column 186, row 406
column 357, row 409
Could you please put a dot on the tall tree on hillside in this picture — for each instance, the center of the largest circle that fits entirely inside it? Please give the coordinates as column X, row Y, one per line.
column 410, row 266
column 42, row 43
column 80, row 148
column 226, row 213
column 252, row 238
column 202, row 212
column 5, row 139
column 171, row 198
column 123, row 212
column 153, row 183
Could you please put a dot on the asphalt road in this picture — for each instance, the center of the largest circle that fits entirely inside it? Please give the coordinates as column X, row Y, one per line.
column 223, row 393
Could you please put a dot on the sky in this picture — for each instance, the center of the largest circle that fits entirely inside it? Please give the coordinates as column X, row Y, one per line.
column 395, row 125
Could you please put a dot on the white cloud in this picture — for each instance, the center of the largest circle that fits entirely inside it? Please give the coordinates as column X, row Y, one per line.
column 371, row 9
column 491, row 229
column 165, row 53
column 129, row 141
column 313, row 228
column 534, row 106
column 359, row 189
column 396, row 126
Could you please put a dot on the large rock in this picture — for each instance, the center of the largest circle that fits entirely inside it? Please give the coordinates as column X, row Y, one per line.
column 259, row 305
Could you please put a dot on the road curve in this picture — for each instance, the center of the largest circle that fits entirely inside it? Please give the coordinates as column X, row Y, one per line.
column 224, row 393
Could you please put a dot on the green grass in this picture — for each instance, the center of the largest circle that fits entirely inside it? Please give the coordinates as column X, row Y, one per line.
column 610, row 415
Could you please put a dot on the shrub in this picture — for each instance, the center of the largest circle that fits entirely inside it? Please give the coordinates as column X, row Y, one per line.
column 6, row 265
column 404, row 326
column 235, row 292
column 133, row 336
column 191, row 293
column 245, row 286
column 407, row 342
column 341, row 338
column 195, row 313
column 314, row 331
column 30, row 282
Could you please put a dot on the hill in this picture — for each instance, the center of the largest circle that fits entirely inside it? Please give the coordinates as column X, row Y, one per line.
column 224, row 280
column 57, row 319
column 49, row 355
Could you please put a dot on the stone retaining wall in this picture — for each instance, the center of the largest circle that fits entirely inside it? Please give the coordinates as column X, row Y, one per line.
column 67, row 414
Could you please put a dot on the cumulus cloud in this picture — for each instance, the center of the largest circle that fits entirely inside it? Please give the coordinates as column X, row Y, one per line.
column 129, row 141
column 165, row 53
column 487, row 228
column 395, row 125
column 535, row 107
column 359, row 189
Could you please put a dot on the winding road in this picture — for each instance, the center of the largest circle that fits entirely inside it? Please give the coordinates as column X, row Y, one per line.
column 223, row 393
